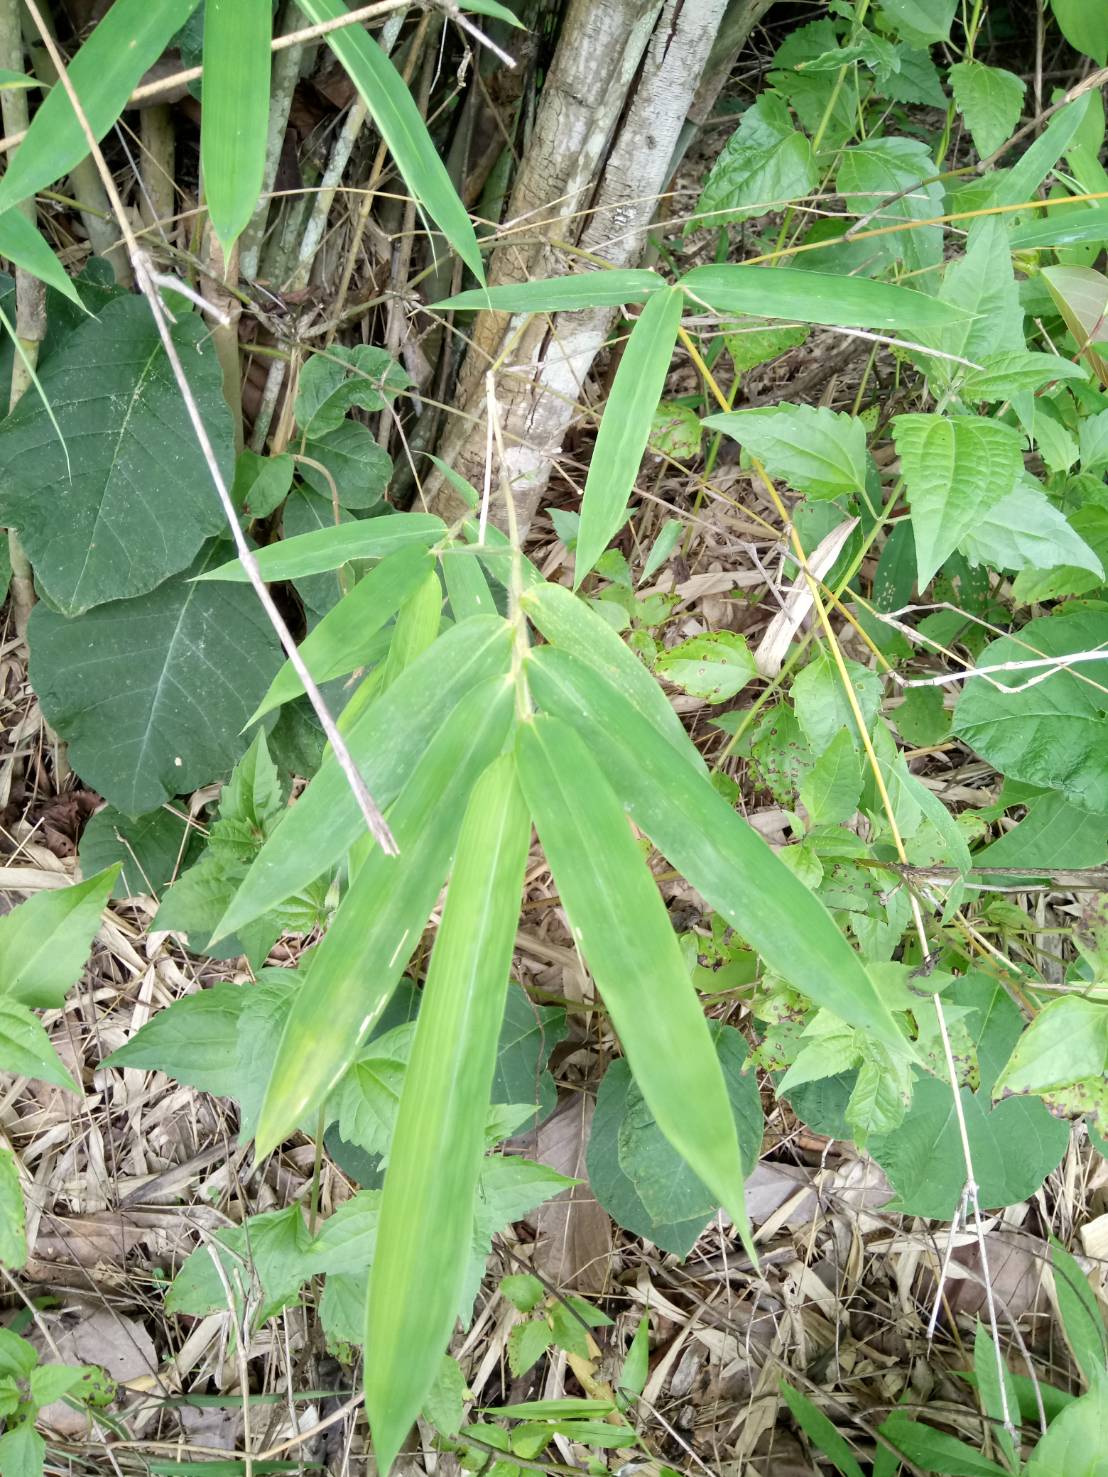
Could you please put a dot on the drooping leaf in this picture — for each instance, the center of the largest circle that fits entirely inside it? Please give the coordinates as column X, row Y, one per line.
column 1074, row 1441
column 234, row 125
column 766, row 163
column 330, row 548
column 624, row 931
column 125, row 44
column 1026, row 531
column 1007, row 373
column 818, row 297
column 334, row 381
column 625, row 426
column 723, row 857
column 982, row 284
column 394, row 111
column 955, row 469
column 560, row 294
column 1051, row 734
column 148, row 848
column 636, row 1174
column 45, row 941
column 989, row 99
column 152, row 693
column 261, row 482
column 1062, row 1057
column 1085, row 27
column 338, row 644
column 427, row 1204
column 379, row 922
column 25, row 1049
column 385, row 741
column 814, row 450
column 128, row 500
column 1081, row 296
column 21, row 243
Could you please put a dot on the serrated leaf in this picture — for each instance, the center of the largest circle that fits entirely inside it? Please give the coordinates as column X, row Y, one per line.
column 339, row 642
column 819, row 297
column 1011, row 371
column 22, row 1451
column 87, row 511
column 625, row 426
column 765, row 163
column 385, row 741
column 45, row 941
column 25, row 1048
column 235, row 114
column 955, row 470
column 714, row 666
column 125, row 44
column 1051, row 734
column 751, row 346
column 817, row 451
column 989, row 99
column 398, row 120
column 887, row 175
column 982, row 284
column 621, row 924
column 193, row 1040
column 716, row 851
column 182, row 669
column 423, row 1242
column 1026, row 531
column 379, row 922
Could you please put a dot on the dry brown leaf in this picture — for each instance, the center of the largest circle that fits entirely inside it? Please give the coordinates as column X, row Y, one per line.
column 574, row 1235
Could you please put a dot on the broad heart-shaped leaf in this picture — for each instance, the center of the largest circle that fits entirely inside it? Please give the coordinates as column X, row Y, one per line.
column 818, row 297
column 338, row 643
column 45, row 941
column 425, row 1231
column 638, row 1177
column 148, row 849
column 151, row 694
column 625, row 426
column 394, row 111
column 235, row 118
column 955, row 469
column 25, row 1049
column 125, row 44
column 134, row 501
column 380, row 920
column 331, row 548
column 352, row 460
column 764, row 164
column 713, row 848
column 385, row 741
column 560, row 294
column 1054, row 734
column 814, row 450
column 1074, row 1442
column 1026, row 531
column 989, row 99
column 621, row 925
column 334, row 382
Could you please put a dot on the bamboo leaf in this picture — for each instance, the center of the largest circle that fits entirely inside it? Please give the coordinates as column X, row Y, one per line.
column 561, row 294
column 330, row 548
column 126, row 43
column 818, row 297
column 22, row 244
column 724, row 858
column 625, row 427
column 339, row 643
column 379, row 922
column 384, row 740
column 621, row 924
column 235, row 118
column 426, row 1227
column 397, row 117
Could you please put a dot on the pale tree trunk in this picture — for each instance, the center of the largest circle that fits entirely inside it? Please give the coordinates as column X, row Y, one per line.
column 609, row 130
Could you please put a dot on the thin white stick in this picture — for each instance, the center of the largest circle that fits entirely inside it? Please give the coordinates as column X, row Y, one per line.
column 1052, row 664
column 144, row 279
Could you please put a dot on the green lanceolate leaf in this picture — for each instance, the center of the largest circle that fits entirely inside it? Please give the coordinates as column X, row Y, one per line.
column 330, row 548
column 126, row 43
column 385, row 742
column 625, row 427
column 955, row 470
column 380, row 920
column 86, row 510
column 13, row 1239
column 571, row 624
column 44, row 943
column 338, row 644
column 237, row 36
column 817, row 297
column 426, row 1226
column 821, row 1432
column 21, row 243
column 724, row 858
column 395, row 113
column 25, row 1049
column 1065, row 226
column 561, row 294
column 621, row 925
column 180, row 669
